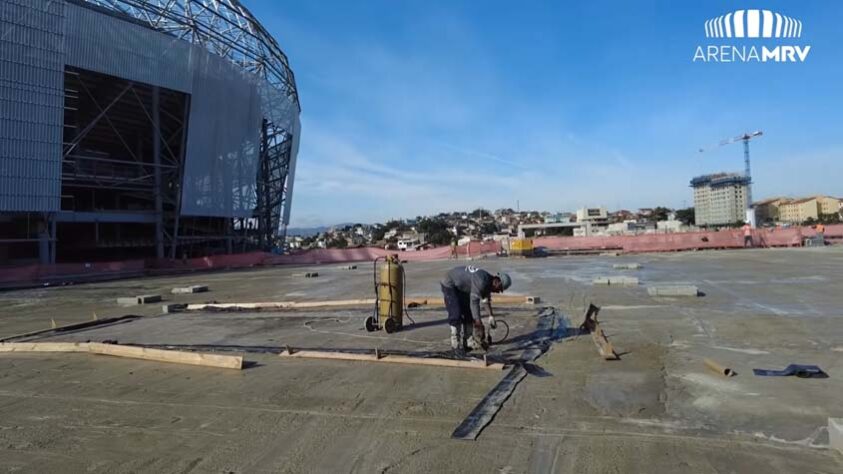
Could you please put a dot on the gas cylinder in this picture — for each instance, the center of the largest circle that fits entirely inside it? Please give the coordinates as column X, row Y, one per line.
column 391, row 294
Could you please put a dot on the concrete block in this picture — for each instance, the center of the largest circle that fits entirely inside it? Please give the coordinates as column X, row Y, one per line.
column 190, row 289
column 616, row 281
column 147, row 299
column 533, row 300
column 835, row 433
column 673, row 290
column 627, row 266
column 173, row 308
column 140, row 299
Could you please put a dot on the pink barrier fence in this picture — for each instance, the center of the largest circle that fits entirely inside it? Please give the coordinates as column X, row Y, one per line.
column 687, row 241
column 367, row 254
column 35, row 274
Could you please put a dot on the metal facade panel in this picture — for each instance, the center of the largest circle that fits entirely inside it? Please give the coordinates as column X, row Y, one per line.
column 291, row 171
column 106, row 44
column 31, row 104
column 223, row 141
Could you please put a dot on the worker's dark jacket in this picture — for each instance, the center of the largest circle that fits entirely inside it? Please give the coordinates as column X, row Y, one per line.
column 463, row 289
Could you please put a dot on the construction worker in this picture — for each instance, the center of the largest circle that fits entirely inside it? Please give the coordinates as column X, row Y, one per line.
column 820, row 233
column 747, row 235
column 463, row 288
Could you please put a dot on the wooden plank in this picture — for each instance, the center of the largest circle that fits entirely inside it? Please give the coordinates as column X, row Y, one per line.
column 177, row 357
column 158, row 355
column 395, row 359
column 71, row 327
column 466, row 364
column 45, row 347
column 591, row 325
column 280, row 305
column 431, row 301
column 604, row 347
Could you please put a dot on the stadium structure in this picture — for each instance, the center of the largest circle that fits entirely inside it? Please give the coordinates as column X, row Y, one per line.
column 142, row 129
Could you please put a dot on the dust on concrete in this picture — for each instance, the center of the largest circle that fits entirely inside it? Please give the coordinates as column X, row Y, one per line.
column 658, row 409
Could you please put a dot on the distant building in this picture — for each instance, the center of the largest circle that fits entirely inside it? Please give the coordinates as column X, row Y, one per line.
column 408, row 244
column 593, row 214
column 796, row 211
column 799, row 210
column 557, row 218
column 670, row 225
column 622, row 216
column 720, row 199
column 768, row 209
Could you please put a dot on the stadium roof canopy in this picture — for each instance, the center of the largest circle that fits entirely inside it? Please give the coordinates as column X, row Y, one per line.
column 223, row 27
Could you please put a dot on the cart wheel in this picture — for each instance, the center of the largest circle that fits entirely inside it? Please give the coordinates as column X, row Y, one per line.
column 370, row 324
column 500, row 333
column 390, row 325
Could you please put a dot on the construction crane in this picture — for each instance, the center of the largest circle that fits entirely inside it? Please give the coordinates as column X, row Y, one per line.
column 745, row 138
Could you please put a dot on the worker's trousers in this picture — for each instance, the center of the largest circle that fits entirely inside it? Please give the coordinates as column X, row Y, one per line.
column 460, row 321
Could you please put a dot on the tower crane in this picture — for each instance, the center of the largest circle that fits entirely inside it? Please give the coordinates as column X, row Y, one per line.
column 745, row 138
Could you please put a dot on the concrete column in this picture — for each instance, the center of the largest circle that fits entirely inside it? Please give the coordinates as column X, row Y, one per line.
column 156, row 155
column 43, row 242
column 53, row 238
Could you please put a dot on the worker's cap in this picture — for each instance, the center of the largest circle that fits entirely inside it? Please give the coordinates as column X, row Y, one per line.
column 506, row 281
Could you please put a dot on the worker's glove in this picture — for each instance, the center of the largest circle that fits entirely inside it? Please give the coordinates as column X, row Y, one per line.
column 492, row 323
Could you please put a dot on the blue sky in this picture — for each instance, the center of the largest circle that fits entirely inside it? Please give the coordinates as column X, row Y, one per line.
column 416, row 107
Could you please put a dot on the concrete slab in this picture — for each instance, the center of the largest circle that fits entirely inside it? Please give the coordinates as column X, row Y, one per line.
column 673, row 290
column 138, row 300
column 627, row 266
column 657, row 410
column 186, row 290
column 173, row 308
column 616, row 281
column 835, row 433
column 127, row 301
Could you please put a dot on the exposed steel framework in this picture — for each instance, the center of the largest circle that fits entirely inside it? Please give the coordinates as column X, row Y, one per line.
column 224, row 27
column 142, row 128
column 227, row 29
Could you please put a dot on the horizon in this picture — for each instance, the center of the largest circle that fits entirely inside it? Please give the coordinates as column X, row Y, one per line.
column 419, row 108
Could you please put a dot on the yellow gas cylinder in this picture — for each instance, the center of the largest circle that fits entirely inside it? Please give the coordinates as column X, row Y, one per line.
column 391, row 295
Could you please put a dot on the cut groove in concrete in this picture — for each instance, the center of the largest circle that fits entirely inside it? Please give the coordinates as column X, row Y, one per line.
column 548, row 330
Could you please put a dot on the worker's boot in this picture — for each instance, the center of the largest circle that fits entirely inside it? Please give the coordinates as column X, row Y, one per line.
column 456, row 341
column 467, row 344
